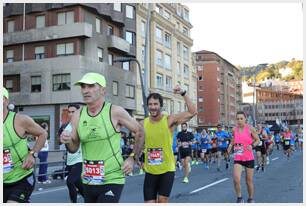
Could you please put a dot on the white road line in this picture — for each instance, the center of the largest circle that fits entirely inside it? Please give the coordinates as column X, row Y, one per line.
column 49, row 190
column 207, row 186
column 275, row 158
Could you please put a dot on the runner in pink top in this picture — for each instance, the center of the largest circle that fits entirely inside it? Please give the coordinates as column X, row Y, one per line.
column 245, row 138
column 242, row 141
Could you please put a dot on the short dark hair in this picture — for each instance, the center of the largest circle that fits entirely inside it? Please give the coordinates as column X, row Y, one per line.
column 219, row 125
column 74, row 105
column 241, row 112
column 184, row 124
column 155, row 96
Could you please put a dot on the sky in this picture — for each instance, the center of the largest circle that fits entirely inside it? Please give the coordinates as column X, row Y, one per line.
column 248, row 34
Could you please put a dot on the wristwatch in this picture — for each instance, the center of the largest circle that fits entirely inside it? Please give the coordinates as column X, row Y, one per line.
column 34, row 154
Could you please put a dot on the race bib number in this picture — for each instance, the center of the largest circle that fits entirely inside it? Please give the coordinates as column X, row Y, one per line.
column 185, row 144
column 94, row 172
column 260, row 143
column 8, row 164
column 204, row 150
column 287, row 142
column 155, row 156
column 238, row 150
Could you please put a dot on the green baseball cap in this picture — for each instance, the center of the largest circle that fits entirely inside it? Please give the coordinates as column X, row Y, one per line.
column 5, row 93
column 92, row 78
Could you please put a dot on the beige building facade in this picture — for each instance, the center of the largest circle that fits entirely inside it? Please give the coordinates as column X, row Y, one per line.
column 170, row 57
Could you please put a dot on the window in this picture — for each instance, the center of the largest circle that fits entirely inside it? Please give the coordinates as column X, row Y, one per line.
column 143, row 28
column 65, row 18
column 129, row 37
column 185, row 31
column 61, row 82
column 115, row 88
column 185, row 53
column 199, row 68
column 9, row 56
column 11, row 26
column 126, row 66
column 100, row 54
column 64, row 49
column 117, row 7
column 168, row 61
column 201, row 109
column 39, row 52
column 178, row 47
column 110, row 59
column 186, row 72
column 12, row 83
column 40, row 21
column 35, row 83
column 168, row 83
column 200, row 99
column 167, row 40
column 159, row 81
column 130, row 91
column 158, row 9
column 186, row 14
column 110, row 30
column 98, row 25
column 143, row 54
column 159, row 35
column 167, row 15
column 178, row 68
column 159, row 58
column 129, row 11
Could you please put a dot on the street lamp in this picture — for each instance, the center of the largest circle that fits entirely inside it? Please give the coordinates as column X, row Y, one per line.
column 254, row 89
column 144, row 98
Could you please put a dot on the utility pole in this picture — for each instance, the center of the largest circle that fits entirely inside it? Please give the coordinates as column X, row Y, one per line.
column 147, row 61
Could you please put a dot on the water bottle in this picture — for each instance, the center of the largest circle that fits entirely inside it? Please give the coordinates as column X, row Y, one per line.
column 68, row 128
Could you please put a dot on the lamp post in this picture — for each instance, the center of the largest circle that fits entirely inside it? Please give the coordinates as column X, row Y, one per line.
column 254, row 90
column 144, row 98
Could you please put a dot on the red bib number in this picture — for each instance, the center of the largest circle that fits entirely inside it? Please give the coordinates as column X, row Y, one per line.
column 8, row 164
column 94, row 172
column 155, row 156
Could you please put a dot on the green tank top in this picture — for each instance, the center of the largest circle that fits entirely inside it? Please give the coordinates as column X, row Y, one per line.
column 158, row 152
column 100, row 144
column 15, row 150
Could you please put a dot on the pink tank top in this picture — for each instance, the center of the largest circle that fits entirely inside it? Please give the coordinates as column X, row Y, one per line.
column 242, row 140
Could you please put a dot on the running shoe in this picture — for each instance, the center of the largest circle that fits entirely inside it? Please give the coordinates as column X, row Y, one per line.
column 185, row 180
column 250, row 200
column 239, row 200
column 257, row 168
column 262, row 169
column 226, row 166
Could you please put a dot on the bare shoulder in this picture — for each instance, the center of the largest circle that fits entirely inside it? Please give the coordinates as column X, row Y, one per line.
column 117, row 110
column 252, row 129
column 23, row 119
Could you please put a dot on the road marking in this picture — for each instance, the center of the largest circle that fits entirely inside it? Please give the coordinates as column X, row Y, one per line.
column 275, row 158
column 207, row 186
column 49, row 190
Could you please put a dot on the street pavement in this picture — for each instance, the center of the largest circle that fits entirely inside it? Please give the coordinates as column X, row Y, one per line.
column 282, row 182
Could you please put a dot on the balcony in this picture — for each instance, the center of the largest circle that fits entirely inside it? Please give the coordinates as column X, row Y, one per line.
column 118, row 44
column 48, row 33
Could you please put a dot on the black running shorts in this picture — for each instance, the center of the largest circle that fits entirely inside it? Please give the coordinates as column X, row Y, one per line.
column 19, row 191
column 157, row 185
column 109, row 193
column 249, row 164
column 185, row 152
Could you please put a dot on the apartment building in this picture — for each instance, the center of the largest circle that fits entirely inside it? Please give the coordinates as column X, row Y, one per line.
column 219, row 90
column 49, row 46
column 170, row 59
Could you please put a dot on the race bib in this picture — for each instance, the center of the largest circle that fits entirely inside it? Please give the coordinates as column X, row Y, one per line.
column 94, row 172
column 238, row 149
column 8, row 164
column 155, row 156
column 185, row 144
column 287, row 142
column 260, row 143
column 204, row 150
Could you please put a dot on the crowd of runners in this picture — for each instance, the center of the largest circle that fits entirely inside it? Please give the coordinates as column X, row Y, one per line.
column 100, row 155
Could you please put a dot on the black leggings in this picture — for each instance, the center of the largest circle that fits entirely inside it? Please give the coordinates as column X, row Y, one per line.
column 74, row 181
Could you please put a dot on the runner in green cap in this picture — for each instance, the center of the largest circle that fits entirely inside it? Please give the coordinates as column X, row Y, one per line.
column 18, row 161
column 96, row 127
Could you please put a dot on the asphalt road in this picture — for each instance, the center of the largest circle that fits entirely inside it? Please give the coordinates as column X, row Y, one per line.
column 282, row 182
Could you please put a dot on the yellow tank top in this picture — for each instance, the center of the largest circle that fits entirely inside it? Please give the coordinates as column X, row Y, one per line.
column 158, row 152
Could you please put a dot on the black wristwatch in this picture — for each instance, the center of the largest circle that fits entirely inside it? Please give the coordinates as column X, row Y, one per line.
column 34, row 154
column 183, row 93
